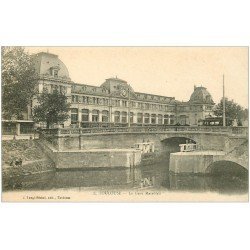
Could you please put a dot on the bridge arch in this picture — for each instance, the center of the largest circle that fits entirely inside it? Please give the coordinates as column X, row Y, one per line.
column 226, row 167
column 171, row 144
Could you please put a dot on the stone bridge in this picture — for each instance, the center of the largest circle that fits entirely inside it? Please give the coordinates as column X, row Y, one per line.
column 210, row 161
column 207, row 138
column 231, row 143
column 238, row 155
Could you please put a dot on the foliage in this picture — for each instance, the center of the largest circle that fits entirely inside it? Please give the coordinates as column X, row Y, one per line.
column 232, row 110
column 52, row 109
column 18, row 80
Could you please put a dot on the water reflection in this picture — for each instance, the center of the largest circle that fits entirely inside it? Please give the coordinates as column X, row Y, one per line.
column 155, row 176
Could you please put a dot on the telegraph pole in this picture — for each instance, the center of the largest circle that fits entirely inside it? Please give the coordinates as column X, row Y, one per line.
column 224, row 105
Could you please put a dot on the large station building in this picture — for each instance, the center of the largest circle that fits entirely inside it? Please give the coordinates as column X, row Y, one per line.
column 114, row 102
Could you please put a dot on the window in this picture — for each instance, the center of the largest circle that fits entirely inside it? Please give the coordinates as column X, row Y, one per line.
column 55, row 73
column 117, row 103
column 105, row 116
column 139, row 118
column 195, row 119
column 85, row 115
column 74, row 116
column 131, row 117
column 124, row 103
column 170, row 108
column 166, row 119
column 117, row 116
column 159, row 119
column 95, row 115
column 84, row 99
column 183, row 119
column 146, row 118
column 90, row 100
column 172, row 118
column 54, row 88
column 105, row 102
column 153, row 118
column 124, row 117
column 77, row 98
column 62, row 89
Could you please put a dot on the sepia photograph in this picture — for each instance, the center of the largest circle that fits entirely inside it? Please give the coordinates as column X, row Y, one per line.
column 124, row 124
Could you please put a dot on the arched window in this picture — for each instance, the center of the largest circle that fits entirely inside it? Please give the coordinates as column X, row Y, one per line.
column 124, row 117
column 117, row 116
column 85, row 115
column 105, row 116
column 95, row 115
column 146, row 118
column 166, row 119
column 159, row 119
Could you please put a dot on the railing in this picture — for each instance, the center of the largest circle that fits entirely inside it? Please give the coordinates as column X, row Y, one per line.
column 233, row 131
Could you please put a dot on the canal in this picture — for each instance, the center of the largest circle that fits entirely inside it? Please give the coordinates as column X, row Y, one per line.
column 155, row 176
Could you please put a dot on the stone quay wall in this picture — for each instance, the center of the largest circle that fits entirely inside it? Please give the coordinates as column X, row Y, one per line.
column 98, row 159
column 92, row 158
column 189, row 162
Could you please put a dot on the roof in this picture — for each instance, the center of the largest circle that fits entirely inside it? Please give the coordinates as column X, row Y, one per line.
column 104, row 91
column 115, row 79
column 201, row 95
column 45, row 61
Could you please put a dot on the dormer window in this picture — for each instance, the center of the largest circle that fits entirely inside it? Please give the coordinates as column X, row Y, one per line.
column 54, row 71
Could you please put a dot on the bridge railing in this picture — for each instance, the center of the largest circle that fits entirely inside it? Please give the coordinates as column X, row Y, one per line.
column 239, row 131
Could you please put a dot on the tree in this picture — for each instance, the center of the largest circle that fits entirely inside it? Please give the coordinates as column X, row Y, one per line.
column 52, row 108
column 18, row 80
column 232, row 110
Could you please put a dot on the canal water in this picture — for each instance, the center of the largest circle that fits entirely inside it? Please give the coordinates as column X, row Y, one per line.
column 155, row 176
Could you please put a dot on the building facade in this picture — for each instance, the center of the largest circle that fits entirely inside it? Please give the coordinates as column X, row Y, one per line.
column 114, row 102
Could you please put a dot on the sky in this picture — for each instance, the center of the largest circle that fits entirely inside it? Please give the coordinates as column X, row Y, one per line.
column 168, row 71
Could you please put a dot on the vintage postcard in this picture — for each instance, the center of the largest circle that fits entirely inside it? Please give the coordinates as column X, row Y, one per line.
column 124, row 124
